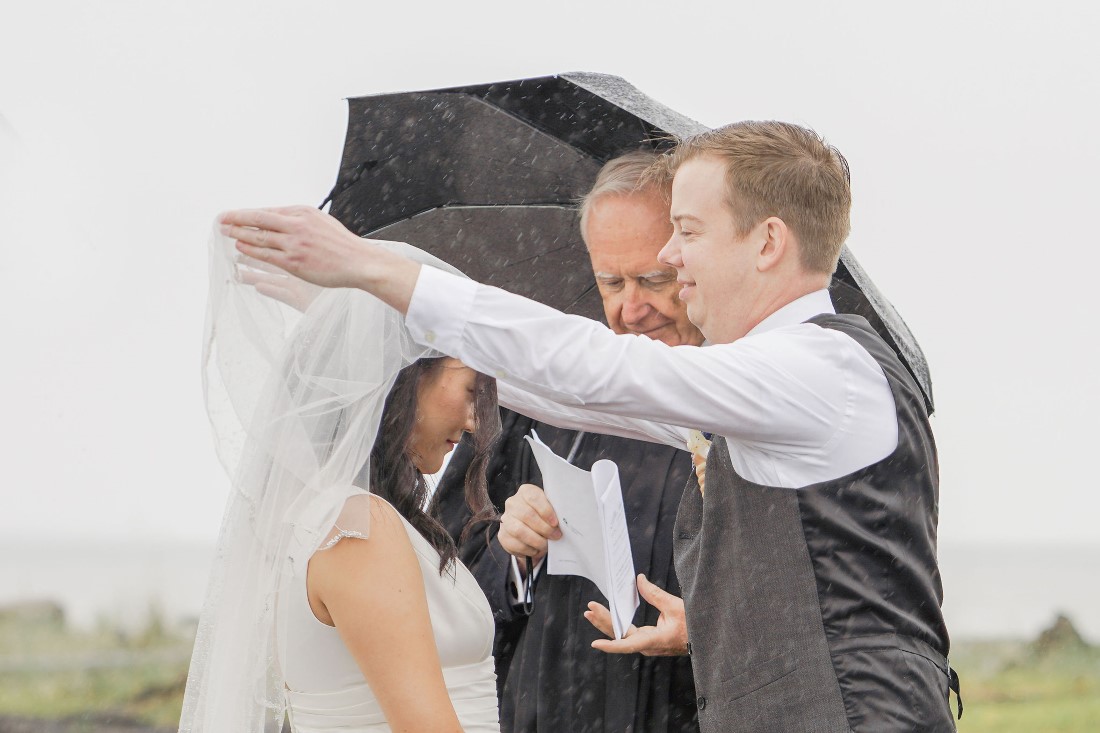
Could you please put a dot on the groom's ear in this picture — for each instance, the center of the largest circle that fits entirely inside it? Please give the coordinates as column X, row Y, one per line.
column 774, row 241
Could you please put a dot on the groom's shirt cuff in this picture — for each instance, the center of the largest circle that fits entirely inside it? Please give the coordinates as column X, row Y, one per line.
column 440, row 292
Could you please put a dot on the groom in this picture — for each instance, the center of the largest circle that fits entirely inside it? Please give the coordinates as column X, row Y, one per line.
column 811, row 590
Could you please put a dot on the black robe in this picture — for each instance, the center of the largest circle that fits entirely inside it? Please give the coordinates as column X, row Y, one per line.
column 548, row 676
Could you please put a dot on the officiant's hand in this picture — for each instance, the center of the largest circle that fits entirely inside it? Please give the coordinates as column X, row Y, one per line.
column 667, row 639
column 528, row 523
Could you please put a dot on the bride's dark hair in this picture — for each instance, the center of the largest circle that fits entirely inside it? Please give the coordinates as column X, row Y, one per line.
column 395, row 478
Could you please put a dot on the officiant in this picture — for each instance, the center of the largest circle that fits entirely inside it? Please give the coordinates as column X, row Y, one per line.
column 807, row 561
column 549, row 676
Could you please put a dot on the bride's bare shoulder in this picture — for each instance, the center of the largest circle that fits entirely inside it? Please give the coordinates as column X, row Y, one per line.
column 356, row 568
column 362, row 517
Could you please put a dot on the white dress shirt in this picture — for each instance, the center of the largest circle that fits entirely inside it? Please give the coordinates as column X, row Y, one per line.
column 798, row 404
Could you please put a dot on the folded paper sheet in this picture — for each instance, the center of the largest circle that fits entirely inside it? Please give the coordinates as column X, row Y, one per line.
column 594, row 542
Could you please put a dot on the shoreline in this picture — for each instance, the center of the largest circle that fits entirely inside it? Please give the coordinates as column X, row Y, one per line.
column 991, row 590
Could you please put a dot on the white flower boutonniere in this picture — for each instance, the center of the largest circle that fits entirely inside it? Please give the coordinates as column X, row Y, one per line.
column 699, row 446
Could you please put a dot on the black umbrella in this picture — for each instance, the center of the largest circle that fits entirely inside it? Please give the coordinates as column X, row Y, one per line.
column 487, row 178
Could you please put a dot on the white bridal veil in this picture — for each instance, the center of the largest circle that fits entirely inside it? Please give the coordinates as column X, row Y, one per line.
column 294, row 399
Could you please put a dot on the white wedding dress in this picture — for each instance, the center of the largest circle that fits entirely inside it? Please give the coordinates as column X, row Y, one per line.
column 325, row 689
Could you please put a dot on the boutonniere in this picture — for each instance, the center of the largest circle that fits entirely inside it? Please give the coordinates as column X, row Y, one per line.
column 699, row 445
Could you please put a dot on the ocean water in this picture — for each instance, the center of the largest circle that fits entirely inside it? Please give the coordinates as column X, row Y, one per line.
column 990, row 590
column 1005, row 590
column 120, row 584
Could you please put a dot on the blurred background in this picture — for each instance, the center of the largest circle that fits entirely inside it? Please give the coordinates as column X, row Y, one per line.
column 125, row 126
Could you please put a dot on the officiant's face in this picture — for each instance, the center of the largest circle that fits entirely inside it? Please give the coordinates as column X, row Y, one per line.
column 444, row 411
column 624, row 233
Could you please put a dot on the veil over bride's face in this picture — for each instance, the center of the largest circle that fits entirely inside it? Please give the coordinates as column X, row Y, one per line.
column 445, row 402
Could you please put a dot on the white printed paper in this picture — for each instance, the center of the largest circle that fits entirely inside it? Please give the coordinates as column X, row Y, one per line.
column 592, row 519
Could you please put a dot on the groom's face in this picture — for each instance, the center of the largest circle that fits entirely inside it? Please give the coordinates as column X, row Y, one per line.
column 715, row 268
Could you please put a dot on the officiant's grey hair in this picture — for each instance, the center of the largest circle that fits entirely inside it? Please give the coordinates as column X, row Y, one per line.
column 622, row 176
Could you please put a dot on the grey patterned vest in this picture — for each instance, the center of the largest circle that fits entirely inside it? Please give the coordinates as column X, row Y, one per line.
column 818, row 609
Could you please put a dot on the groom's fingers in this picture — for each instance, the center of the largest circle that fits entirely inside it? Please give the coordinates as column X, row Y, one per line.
column 670, row 635
column 260, row 252
column 246, row 263
column 667, row 638
column 634, row 641
column 279, row 293
column 256, row 238
column 257, row 231
column 598, row 615
column 660, row 599
column 277, row 219
column 253, row 276
column 271, row 220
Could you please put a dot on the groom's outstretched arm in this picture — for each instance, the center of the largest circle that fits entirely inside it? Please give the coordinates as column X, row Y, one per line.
column 782, row 391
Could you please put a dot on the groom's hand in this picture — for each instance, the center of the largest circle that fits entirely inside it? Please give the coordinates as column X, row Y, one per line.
column 276, row 283
column 528, row 523
column 316, row 247
column 667, row 639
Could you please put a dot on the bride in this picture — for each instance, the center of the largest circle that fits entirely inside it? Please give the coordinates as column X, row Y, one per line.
column 335, row 597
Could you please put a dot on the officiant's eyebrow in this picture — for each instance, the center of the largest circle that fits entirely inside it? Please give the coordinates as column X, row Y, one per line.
column 655, row 279
column 654, row 275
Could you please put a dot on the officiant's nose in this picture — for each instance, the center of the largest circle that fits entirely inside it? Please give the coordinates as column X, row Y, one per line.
column 636, row 309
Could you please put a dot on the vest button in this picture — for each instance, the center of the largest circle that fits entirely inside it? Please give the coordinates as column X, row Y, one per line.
column 701, row 703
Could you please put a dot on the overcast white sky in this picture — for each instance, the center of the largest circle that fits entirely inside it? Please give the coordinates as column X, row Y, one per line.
column 125, row 126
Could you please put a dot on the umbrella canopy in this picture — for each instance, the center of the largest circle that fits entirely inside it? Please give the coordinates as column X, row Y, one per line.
column 487, row 177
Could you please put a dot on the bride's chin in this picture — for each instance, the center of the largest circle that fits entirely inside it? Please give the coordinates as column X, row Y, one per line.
column 427, row 468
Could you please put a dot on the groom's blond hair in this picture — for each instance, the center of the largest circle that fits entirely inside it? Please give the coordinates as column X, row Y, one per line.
column 777, row 169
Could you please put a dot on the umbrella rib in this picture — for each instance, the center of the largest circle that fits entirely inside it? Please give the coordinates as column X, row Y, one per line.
column 525, row 204
column 576, row 300
column 511, row 162
column 458, row 205
column 540, row 254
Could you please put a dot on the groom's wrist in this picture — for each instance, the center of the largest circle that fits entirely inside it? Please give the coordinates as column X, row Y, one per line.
column 388, row 276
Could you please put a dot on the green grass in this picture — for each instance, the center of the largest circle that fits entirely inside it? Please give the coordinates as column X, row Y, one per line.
column 47, row 671
column 151, row 694
column 1010, row 688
